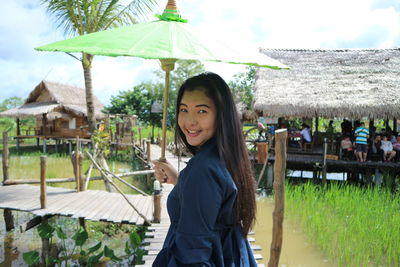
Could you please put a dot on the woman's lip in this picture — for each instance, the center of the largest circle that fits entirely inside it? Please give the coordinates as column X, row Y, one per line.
column 196, row 133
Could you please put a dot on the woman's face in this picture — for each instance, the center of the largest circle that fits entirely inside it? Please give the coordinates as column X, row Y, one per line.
column 196, row 118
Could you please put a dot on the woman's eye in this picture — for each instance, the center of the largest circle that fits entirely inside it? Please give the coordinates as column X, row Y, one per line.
column 182, row 110
column 202, row 111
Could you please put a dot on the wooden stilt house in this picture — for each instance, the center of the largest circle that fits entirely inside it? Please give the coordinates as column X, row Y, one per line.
column 59, row 109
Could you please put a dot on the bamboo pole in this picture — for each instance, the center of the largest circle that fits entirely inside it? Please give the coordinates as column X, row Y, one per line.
column 70, row 180
column 140, row 136
column 117, row 188
column 43, row 189
column 324, row 167
column 167, row 65
column 6, row 155
column 279, row 188
column 77, row 166
column 148, row 152
column 157, row 202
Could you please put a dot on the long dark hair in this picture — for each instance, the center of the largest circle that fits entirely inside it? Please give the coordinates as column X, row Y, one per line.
column 230, row 142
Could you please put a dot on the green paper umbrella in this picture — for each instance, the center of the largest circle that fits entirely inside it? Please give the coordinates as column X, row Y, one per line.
column 167, row 39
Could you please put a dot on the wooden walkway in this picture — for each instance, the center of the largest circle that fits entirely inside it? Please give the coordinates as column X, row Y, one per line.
column 100, row 206
column 91, row 205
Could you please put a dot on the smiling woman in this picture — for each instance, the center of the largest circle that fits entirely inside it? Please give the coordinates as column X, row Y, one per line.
column 212, row 206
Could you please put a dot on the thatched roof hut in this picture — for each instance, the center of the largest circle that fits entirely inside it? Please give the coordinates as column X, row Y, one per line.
column 60, row 111
column 352, row 83
column 50, row 97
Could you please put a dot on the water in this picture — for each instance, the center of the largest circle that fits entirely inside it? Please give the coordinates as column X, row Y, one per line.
column 297, row 250
column 14, row 244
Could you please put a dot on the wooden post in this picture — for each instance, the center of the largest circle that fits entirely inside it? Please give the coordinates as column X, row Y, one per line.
column 8, row 216
column 18, row 127
column 57, row 140
column 77, row 165
column 9, row 219
column 157, row 202
column 6, row 155
column 324, row 167
column 17, row 144
column 45, row 243
column 148, row 152
column 43, row 190
column 279, row 188
column 262, row 152
column 82, row 222
column 140, row 136
column 44, row 145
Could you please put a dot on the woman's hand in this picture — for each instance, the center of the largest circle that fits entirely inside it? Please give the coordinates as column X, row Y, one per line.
column 165, row 172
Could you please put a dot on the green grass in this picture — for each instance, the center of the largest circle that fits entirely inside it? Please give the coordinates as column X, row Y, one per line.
column 351, row 225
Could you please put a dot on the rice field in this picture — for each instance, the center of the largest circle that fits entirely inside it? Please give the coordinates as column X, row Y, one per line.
column 352, row 226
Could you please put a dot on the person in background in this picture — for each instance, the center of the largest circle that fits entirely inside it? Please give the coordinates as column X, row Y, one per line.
column 387, row 147
column 375, row 152
column 212, row 206
column 361, row 134
column 330, row 131
column 347, row 148
column 261, row 131
column 396, row 147
column 305, row 135
column 347, row 128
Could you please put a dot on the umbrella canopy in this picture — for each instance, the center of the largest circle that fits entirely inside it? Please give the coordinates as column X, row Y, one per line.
column 167, row 39
column 161, row 40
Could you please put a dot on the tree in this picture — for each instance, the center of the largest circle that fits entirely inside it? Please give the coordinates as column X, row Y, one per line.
column 243, row 84
column 10, row 103
column 80, row 17
column 9, row 124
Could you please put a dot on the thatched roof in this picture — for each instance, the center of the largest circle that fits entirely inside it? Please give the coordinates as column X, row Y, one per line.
column 350, row 83
column 50, row 97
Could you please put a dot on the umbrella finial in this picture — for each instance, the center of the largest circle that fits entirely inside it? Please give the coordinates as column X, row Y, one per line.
column 171, row 13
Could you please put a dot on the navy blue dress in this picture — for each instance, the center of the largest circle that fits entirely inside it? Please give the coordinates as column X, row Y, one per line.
column 203, row 231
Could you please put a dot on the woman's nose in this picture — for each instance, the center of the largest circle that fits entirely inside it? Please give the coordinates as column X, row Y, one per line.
column 191, row 118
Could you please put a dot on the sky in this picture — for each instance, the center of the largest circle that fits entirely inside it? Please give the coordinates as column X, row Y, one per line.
column 251, row 24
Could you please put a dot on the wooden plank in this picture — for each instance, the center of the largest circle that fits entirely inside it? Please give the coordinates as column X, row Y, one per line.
column 131, row 211
column 150, row 208
column 140, row 220
column 120, row 201
column 55, row 205
column 96, row 196
column 127, row 210
column 99, row 206
column 99, row 211
column 114, row 213
column 77, row 201
column 134, row 217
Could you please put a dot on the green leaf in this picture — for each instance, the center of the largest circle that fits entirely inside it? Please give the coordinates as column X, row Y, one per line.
column 31, row 257
column 50, row 261
column 109, row 253
column 134, row 239
column 94, row 248
column 60, row 233
column 127, row 249
column 95, row 259
column 46, row 230
column 80, row 237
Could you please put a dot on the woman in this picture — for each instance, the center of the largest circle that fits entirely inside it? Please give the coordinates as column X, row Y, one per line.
column 212, row 206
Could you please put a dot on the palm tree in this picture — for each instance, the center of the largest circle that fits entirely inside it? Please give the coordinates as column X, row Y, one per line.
column 79, row 17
